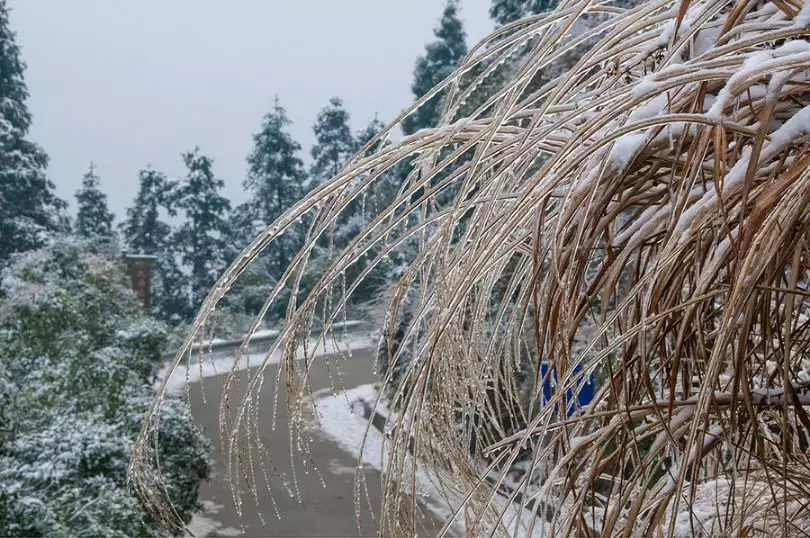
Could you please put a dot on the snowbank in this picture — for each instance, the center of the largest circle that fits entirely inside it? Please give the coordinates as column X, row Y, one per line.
column 341, row 419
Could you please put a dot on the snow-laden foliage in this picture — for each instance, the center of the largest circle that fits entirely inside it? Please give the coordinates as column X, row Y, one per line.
column 78, row 359
column 146, row 231
column 200, row 240
column 29, row 210
column 93, row 218
column 276, row 179
column 506, row 11
column 640, row 217
column 441, row 58
column 334, row 142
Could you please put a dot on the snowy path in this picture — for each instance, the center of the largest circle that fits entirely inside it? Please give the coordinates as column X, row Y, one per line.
column 325, row 511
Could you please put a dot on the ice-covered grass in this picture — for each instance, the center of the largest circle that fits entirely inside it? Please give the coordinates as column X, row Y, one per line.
column 200, row 366
column 341, row 418
column 269, row 334
column 629, row 200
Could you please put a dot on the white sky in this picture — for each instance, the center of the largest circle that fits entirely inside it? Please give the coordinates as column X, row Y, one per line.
column 126, row 84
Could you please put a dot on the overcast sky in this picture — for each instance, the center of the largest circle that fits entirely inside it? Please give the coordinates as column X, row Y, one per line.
column 126, row 84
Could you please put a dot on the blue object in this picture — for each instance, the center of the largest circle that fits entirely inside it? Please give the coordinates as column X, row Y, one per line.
column 580, row 395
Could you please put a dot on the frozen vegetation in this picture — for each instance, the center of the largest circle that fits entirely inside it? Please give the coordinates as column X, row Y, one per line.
column 610, row 192
column 607, row 193
column 78, row 358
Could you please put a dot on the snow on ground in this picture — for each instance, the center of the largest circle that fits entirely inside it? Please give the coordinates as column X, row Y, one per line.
column 341, row 327
column 214, row 364
column 339, row 420
column 201, row 525
column 204, row 523
column 342, row 421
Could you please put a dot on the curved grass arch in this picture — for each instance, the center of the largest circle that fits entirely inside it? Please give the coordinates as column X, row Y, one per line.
column 642, row 216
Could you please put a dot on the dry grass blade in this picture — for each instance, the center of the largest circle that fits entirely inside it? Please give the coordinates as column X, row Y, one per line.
column 641, row 218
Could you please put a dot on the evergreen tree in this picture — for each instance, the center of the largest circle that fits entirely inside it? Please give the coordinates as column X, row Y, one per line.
column 145, row 232
column 276, row 180
column 200, row 240
column 29, row 210
column 334, row 142
column 506, row 11
column 93, row 218
column 171, row 299
column 440, row 60
column 359, row 213
column 244, row 225
column 371, row 130
column 384, row 190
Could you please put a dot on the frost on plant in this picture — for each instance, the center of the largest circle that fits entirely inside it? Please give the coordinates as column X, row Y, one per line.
column 77, row 362
column 639, row 217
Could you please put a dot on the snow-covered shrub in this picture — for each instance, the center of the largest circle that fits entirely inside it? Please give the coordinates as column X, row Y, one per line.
column 77, row 363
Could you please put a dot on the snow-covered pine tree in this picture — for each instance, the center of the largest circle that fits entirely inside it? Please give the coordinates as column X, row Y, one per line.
column 170, row 290
column 93, row 218
column 29, row 209
column 506, row 11
column 384, row 191
column 440, row 60
column 200, row 240
column 276, row 179
column 368, row 132
column 244, row 224
column 359, row 211
column 145, row 232
column 334, row 142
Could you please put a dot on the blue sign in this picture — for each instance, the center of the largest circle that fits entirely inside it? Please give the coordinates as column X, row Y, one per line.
column 576, row 397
